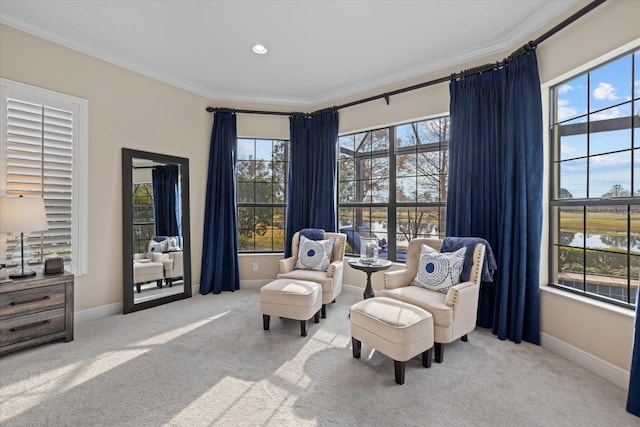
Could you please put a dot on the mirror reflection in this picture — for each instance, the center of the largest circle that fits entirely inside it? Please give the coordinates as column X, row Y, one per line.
column 158, row 264
column 156, row 256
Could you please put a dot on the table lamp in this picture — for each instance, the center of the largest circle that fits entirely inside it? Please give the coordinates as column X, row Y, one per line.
column 22, row 215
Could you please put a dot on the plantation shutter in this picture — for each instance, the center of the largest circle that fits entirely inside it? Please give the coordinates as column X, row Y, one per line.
column 40, row 161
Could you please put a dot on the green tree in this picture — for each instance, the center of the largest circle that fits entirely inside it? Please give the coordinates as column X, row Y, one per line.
column 565, row 194
column 617, row 191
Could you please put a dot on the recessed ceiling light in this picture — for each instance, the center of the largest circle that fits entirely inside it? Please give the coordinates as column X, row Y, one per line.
column 260, row 49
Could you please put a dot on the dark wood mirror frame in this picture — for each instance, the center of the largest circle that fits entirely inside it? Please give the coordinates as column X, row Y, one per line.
column 127, row 228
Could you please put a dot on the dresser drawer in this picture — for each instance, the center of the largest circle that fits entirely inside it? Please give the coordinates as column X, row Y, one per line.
column 34, row 325
column 31, row 300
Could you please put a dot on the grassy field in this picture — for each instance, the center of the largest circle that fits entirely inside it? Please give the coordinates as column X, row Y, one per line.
column 602, row 223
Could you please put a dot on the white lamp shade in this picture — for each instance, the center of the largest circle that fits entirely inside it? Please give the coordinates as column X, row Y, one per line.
column 22, row 215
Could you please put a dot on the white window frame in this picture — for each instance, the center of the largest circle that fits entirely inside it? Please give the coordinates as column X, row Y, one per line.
column 79, row 203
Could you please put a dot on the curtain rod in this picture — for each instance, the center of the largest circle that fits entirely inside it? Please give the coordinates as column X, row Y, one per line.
column 475, row 70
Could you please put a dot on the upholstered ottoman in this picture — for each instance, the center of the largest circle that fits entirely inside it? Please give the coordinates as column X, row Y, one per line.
column 144, row 272
column 293, row 299
column 395, row 328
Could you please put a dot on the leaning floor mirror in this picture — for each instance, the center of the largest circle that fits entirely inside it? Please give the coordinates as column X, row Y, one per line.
column 155, row 222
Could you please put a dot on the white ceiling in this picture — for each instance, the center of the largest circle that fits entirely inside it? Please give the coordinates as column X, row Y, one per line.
column 319, row 51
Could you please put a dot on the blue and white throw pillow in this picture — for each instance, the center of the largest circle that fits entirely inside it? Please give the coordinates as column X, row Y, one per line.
column 439, row 271
column 314, row 254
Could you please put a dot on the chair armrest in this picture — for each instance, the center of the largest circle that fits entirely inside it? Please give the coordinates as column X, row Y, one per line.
column 335, row 268
column 460, row 291
column 286, row 265
column 398, row 279
column 168, row 264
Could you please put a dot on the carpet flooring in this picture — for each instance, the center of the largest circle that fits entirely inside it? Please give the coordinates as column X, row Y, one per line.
column 206, row 361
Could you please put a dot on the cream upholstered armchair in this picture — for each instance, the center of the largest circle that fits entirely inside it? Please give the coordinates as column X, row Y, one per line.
column 331, row 280
column 173, row 267
column 454, row 313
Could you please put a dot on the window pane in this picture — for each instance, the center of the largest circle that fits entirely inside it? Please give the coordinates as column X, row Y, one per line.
column 612, row 140
column 380, row 140
column 406, row 135
column 610, row 175
column 636, row 173
column 611, row 83
column 572, row 181
column 264, row 149
column 245, row 192
column 364, row 190
column 571, row 226
column 573, row 139
column 636, row 120
column 347, row 168
column 362, row 142
column 347, row 142
column 406, row 189
column 429, row 163
column 406, row 165
column 245, row 170
column 429, row 186
column 278, row 229
column 264, row 192
column 433, row 131
column 346, row 191
column 571, row 99
column 634, row 273
column 606, row 227
column 380, row 167
column 245, row 149
column 606, row 274
column 379, row 191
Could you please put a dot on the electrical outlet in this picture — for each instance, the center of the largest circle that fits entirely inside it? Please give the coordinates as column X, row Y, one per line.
column 255, row 266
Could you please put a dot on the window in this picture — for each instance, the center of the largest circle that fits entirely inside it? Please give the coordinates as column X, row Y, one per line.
column 144, row 225
column 262, row 174
column 595, row 197
column 43, row 152
column 393, row 185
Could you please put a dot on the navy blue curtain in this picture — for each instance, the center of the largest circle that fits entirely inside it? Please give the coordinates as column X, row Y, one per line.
column 220, row 240
column 166, row 199
column 633, row 399
column 313, row 149
column 495, row 188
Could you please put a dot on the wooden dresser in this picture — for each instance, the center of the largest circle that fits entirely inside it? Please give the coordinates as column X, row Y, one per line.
column 36, row 310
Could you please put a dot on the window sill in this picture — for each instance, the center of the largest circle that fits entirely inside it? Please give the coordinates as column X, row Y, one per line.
column 589, row 301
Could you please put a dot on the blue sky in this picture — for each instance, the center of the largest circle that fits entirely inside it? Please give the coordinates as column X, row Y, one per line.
column 600, row 95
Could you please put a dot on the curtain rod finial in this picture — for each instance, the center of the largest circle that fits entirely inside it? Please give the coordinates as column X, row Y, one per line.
column 210, row 109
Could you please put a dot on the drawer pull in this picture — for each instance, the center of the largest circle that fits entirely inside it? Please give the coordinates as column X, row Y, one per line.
column 30, row 301
column 30, row 325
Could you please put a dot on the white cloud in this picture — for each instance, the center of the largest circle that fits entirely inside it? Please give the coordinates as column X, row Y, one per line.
column 619, row 159
column 564, row 110
column 565, row 148
column 605, row 92
column 564, row 89
column 611, row 113
column 636, row 86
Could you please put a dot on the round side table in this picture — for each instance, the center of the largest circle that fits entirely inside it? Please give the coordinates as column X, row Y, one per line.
column 379, row 265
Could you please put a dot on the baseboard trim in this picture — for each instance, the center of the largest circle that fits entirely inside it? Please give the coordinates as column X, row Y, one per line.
column 352, row 290
column 600, row 367
column 98, row 312
column 254, row 284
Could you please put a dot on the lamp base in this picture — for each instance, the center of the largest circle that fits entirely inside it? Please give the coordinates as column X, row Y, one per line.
column 21, row 275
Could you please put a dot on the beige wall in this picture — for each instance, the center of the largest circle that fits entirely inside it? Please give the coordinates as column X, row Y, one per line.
column 133, row 111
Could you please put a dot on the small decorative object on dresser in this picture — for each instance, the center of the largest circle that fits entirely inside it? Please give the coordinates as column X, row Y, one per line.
column 36, row 310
